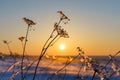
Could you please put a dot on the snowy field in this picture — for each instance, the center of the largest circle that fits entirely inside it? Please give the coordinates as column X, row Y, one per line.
column 60, row 68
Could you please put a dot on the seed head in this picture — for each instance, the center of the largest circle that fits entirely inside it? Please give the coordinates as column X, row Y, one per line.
column 4, row 41
column 29, row 22
column 63, row 16
column 21, row 38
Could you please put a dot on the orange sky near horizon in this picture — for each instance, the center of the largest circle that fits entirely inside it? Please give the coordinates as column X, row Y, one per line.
column 92, row 27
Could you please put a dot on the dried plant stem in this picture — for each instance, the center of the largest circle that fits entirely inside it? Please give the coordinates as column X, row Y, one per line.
column 45, row 47
column 24, row 47
column 42, row 54
column 59, row 21
column 94, row 74
column 64, row 66
column 50, row 36
column 9, row 49
column 110, row 60
column 105, row 65
column 29, row 66
column 67, row 64
column 55, row 41
column 22, row 44
column 80, row 69
column 17, row 72
column 65, row 70
column 47, row 41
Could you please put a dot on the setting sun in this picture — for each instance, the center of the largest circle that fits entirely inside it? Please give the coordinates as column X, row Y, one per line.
column 62, row 46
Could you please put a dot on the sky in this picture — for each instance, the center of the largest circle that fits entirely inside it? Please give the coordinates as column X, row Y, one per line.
column 94, row 25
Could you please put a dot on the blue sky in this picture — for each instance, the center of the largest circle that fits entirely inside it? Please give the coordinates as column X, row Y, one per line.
column 94, row 24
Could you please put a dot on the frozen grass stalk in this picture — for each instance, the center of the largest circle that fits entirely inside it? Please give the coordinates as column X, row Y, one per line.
column 50, row 41
column 7, row 43
column 29, row 23
column 104, row 67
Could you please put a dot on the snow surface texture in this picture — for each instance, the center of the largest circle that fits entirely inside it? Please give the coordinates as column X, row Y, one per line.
column 52, row 68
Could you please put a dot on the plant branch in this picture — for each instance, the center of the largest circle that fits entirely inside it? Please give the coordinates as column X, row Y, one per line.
column 24, row 47
column 42, row 54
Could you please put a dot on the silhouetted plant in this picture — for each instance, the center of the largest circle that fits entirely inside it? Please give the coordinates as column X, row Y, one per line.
column 110, row 60
column 21, row 39
column 63, row 17
column 99, row 70
column 115, row 66
column 30, row 23
column 7, row 43
column 60, row 33
column 84, row 63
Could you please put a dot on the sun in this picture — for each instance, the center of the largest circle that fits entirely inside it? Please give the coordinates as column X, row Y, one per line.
column 62, row 46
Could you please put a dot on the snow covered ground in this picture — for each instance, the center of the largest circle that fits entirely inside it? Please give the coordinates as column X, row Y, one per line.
column 53, row 68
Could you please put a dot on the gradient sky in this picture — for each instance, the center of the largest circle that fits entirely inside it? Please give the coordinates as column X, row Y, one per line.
column 94, row 25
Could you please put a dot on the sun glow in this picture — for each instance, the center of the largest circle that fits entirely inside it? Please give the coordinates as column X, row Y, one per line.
column 62, row 46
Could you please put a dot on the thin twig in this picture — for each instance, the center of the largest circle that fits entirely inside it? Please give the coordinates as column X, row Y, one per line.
column 24, row 47
column 42, row 54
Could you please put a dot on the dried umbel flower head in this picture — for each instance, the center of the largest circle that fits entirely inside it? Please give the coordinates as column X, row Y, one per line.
column 78, row 48
column 63, row 33
column 63, row 16
column 21, row 38
column 56, row 27
column 29, row 22
column 4, row 41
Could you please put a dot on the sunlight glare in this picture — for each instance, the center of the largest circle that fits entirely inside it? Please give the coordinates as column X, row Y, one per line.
column 62, row 46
